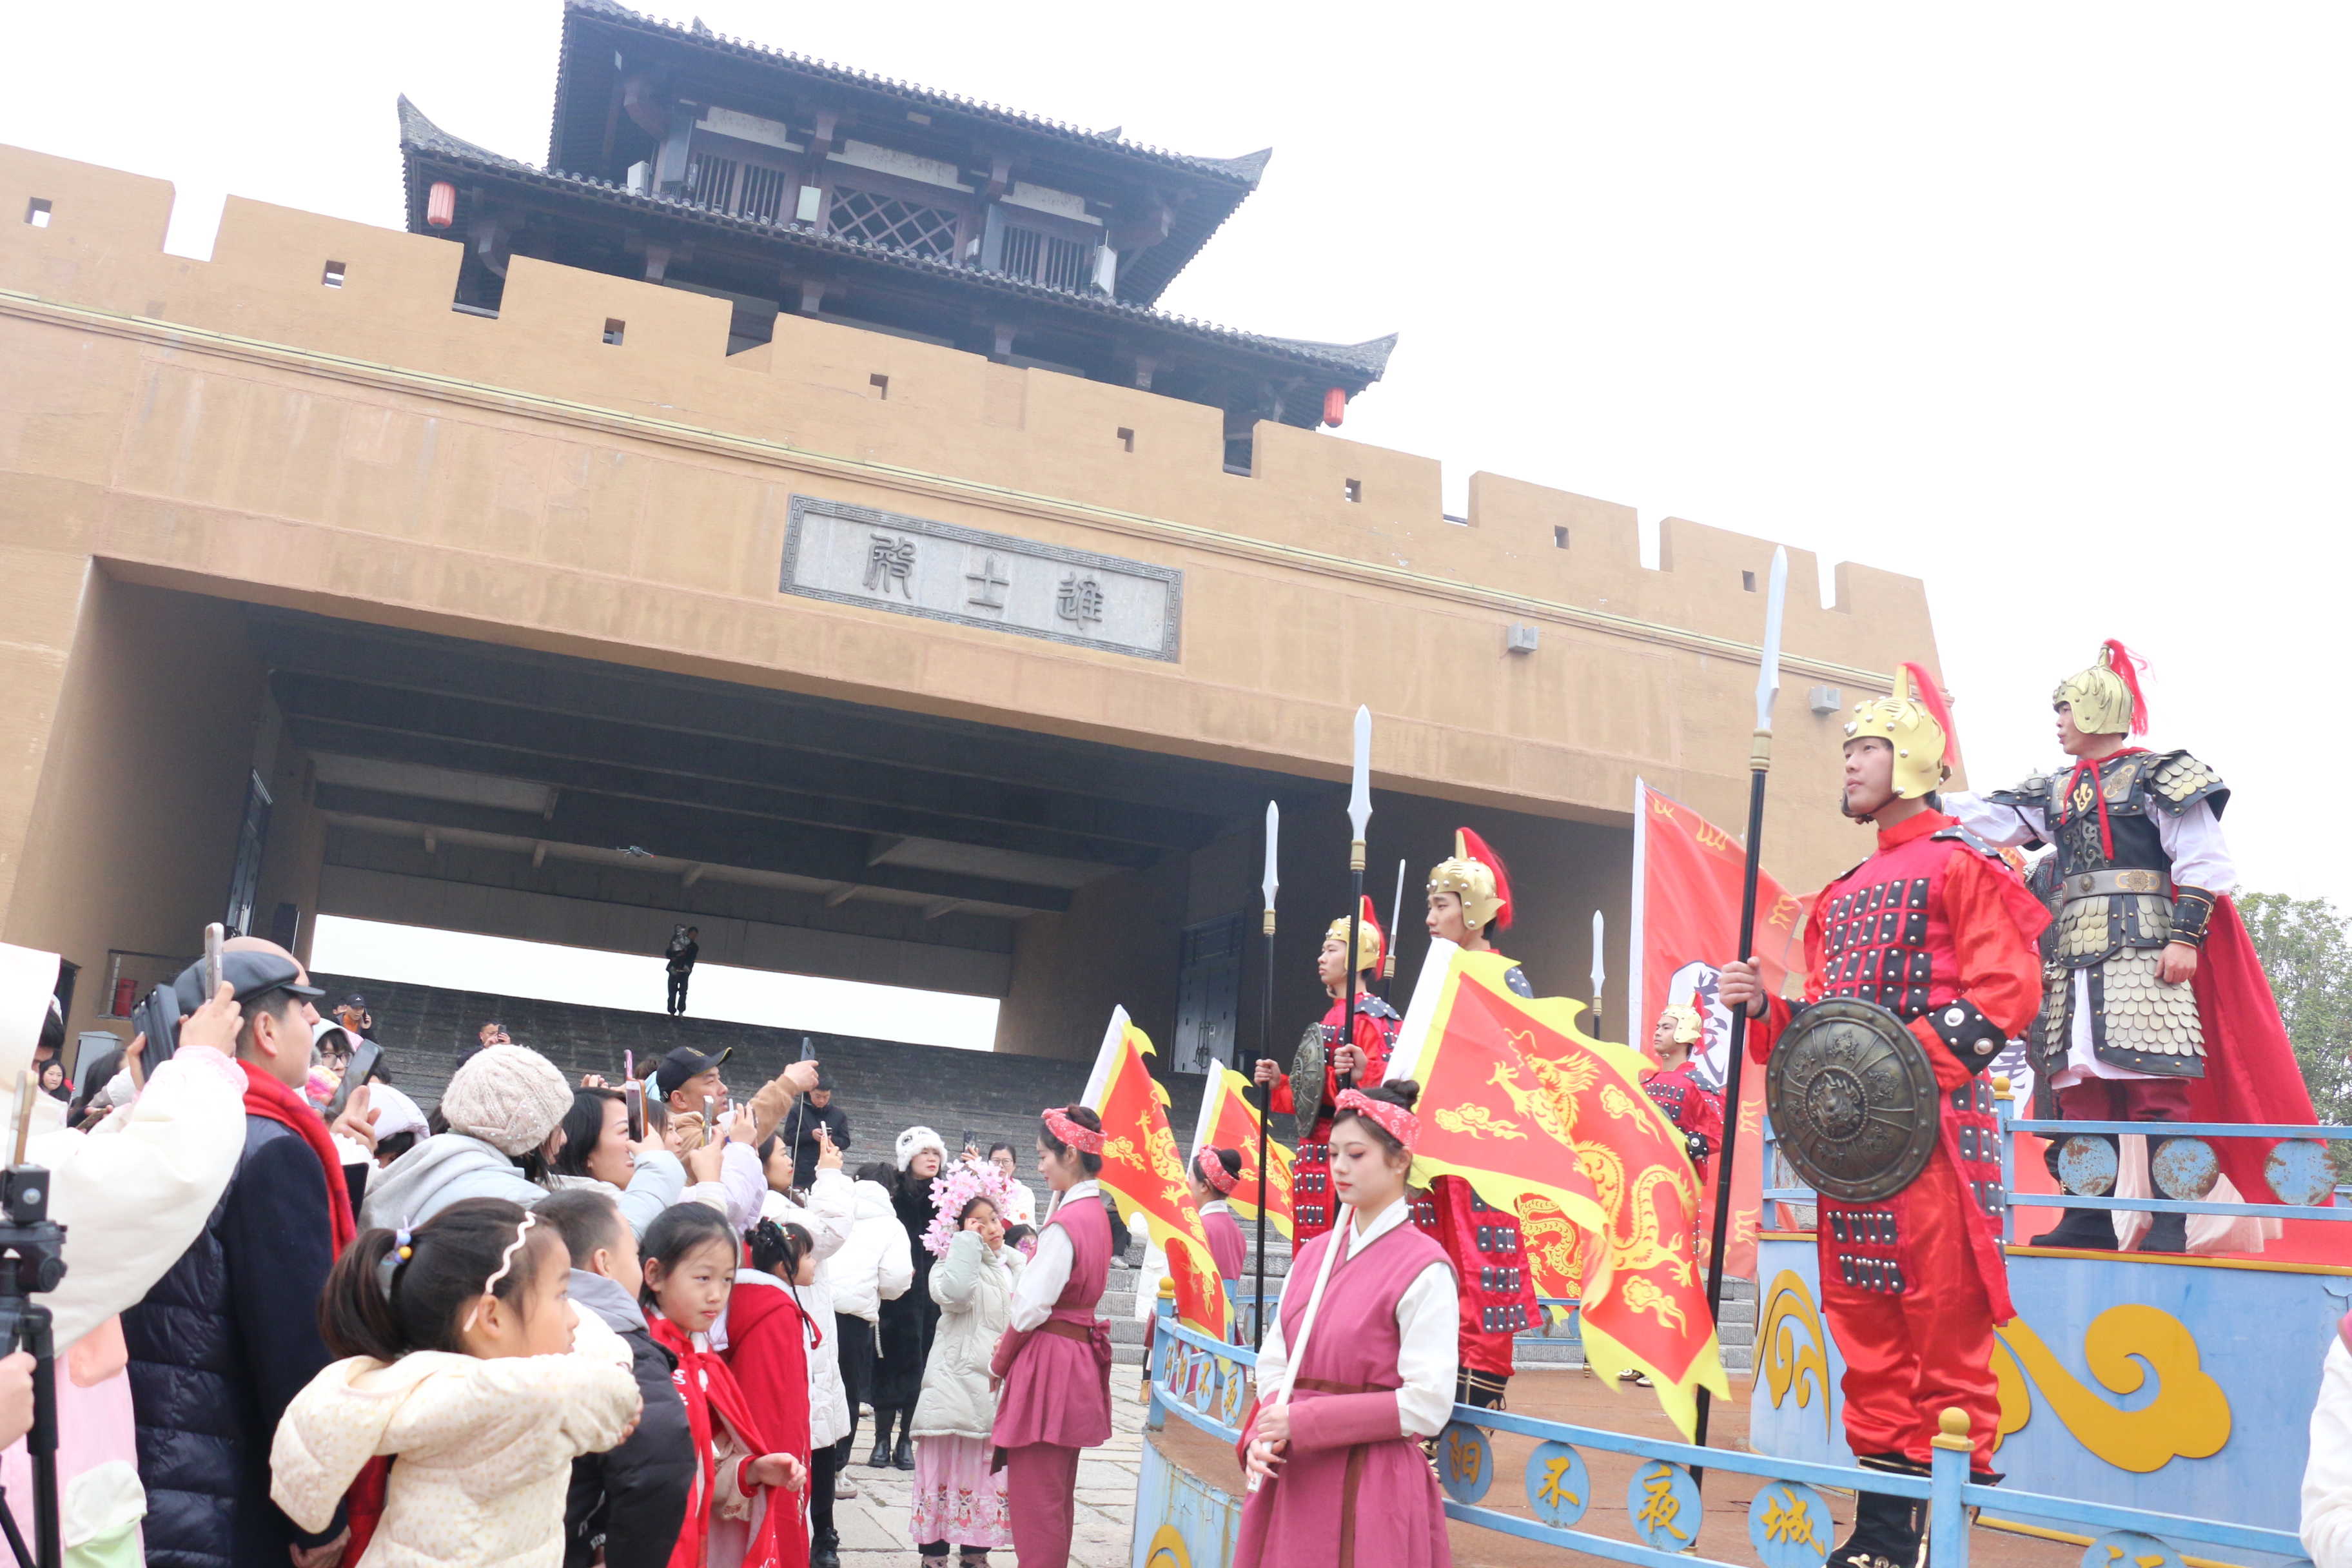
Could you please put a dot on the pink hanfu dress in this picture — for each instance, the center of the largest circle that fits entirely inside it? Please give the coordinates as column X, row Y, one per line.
column 1355, row 1491
column 1056, row 1395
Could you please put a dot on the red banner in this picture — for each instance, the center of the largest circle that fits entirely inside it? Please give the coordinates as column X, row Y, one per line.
column 1536, row 1114
column 1686, row 885
column 1142, row 1170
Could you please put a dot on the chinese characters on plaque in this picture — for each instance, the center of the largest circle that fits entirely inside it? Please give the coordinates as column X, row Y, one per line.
column 858, row 555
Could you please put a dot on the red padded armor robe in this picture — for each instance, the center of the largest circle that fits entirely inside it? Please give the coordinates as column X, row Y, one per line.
column 1935, row 928
column 1310, row 1173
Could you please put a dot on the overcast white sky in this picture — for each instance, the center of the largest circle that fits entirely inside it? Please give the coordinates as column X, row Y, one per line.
column 2045, row 304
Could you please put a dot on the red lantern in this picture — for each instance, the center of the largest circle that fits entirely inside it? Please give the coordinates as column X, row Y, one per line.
column 441, row 205
column 1335, row 405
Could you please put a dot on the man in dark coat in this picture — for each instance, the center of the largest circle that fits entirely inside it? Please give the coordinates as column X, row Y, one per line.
column 812, row 1113
column 628, row 1501
column 230, row 1334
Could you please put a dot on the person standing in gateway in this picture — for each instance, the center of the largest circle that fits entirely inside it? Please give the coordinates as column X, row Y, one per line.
column 1937, row 931
column 685, row 948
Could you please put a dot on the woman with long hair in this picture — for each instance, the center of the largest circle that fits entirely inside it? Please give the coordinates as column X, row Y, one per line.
column 1055, row 1359
column 1358, row 1363
column 908, row 1322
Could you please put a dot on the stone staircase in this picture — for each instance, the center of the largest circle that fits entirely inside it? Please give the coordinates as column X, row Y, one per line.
column 882, row 1085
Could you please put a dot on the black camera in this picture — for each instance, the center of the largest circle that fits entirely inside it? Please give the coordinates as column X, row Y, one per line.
column 32, row 1246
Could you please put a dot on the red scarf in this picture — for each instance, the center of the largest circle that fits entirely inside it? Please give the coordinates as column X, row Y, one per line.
column 709, row 1389
column 2092, row 769
column 266, row 1097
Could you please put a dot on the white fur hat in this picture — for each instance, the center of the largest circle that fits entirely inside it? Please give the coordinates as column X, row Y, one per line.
column 914, row 1141
column 509, row 1097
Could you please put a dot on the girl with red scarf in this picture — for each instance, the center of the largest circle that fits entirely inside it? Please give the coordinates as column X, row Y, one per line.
column 689, row 1263
column 768, row 1334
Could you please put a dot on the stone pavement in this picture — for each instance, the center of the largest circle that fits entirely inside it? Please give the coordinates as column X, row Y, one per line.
column 873, row 1525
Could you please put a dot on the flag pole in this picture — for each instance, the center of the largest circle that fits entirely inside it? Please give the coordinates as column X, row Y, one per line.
column 1396, row 914
column 1360, row 813
column 1759, row 765
column 1265, row 1090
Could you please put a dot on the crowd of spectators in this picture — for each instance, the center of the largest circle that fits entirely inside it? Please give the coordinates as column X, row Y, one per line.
column 634, row 1324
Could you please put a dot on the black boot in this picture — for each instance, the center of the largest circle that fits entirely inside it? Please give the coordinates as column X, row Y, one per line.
column 2169, row 1234
column 1886, row 1534
column 825, row 1549
column 2090, row 1230
column 879, row 1459
column 906, row 1456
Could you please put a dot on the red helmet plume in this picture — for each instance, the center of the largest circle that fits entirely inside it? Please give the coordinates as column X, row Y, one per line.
column 1930, row 696
column 2128, row 666
column 1475, row 848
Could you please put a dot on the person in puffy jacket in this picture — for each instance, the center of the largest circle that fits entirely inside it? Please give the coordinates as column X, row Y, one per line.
column 597, row 1155
column 230, row 1333
column 825, row 1217
column 957, row 1500
column 877, row 1264
column 465, row 1364
column 504, row 1109
column 625, row 1505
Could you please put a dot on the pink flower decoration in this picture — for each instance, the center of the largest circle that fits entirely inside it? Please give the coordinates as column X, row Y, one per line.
column 955, row 1186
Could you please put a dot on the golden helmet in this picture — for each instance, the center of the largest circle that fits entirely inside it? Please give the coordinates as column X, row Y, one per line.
column 1916, row 723
column 1684, row 1020
column 1372, row 943
column 2105, row 697
column 1475, row 876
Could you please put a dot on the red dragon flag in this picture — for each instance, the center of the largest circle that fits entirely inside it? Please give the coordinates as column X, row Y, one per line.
column 1229, row 1120
column 1687, row 886
column 1522, row 1104
column 1141, row 1170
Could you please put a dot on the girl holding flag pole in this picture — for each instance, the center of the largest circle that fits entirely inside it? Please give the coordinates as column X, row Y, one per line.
column 1055, row 1359
column 1356, row 1367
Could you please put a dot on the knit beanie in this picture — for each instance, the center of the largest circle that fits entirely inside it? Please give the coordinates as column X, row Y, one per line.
column 509, row 1097
column 914, row 1141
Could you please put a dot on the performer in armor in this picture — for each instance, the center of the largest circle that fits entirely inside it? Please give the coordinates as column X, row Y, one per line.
column 1695, row 1108
column 1689, row 1103
column 1362, row 1061
column 1469, row 900
column 2142, row 869
column 1936, row 929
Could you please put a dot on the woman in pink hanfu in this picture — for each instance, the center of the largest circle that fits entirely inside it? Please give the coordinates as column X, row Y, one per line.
column 1215, row 1173
column 1358, row 1363
column 1055, row 1359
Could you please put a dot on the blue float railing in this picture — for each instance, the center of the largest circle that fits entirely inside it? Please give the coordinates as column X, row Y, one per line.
column 1206, row 1382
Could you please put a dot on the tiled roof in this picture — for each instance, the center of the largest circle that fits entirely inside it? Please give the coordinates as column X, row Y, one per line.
column 419, row 136
column 1243, row 170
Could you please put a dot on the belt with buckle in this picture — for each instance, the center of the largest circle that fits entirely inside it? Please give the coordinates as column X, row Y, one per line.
column 2102, row 884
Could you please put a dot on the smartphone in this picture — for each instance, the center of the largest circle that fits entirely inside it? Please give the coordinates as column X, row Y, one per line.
column 808, row 1049
column 629, row 1066
column 634, row 1094
column 212, row 938
column 709, row 1119
column 363, row 1064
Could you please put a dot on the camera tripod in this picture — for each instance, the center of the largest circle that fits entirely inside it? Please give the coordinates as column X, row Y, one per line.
column 32, row 1258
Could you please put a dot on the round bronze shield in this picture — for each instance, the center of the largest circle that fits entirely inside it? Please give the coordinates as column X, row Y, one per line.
column 1853, row 1100
column 1306, row 1084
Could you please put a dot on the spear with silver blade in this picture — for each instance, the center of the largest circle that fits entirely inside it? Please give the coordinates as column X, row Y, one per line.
column 1264, row 1050
column 1360, row 814
column 1759, row 765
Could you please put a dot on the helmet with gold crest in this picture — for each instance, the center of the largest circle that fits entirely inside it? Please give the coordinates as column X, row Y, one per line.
column 1916, row 722
column 1682, row 1021
column 1475, row 876
column 1372, row 943
column 2105, row 697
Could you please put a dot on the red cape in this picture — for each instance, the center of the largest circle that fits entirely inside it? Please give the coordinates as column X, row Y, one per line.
column 2251, row 1073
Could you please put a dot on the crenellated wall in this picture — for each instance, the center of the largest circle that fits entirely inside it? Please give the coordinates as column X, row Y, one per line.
column 239, row 428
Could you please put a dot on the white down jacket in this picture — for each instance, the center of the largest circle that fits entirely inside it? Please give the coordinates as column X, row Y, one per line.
column 826, row 1218
column 486, row 1447
column 973, row 1287
column 877, row 1264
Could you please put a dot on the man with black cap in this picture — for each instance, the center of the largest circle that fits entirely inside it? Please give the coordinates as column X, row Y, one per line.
column 687, row 1077
column 230, row 1334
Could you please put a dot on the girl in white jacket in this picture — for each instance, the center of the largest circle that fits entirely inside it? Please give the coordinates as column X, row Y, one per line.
column 877, row 1264
column 463, row 1358
column 957, row 1500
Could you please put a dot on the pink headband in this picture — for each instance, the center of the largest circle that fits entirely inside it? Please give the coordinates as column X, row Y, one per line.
column 1086, row 1141
column 1394, row 1119
column 1213, row 1171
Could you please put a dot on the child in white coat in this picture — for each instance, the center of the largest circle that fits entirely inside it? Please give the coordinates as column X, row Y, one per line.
column 463, row 1358
column 959, row 1501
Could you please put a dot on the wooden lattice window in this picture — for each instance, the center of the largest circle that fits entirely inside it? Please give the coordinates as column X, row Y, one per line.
column 710, row 181
column 887, row 220
column 763, row 192
column 1048, row 259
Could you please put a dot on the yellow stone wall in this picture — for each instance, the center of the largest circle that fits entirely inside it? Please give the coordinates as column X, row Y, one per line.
column 236, row 428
